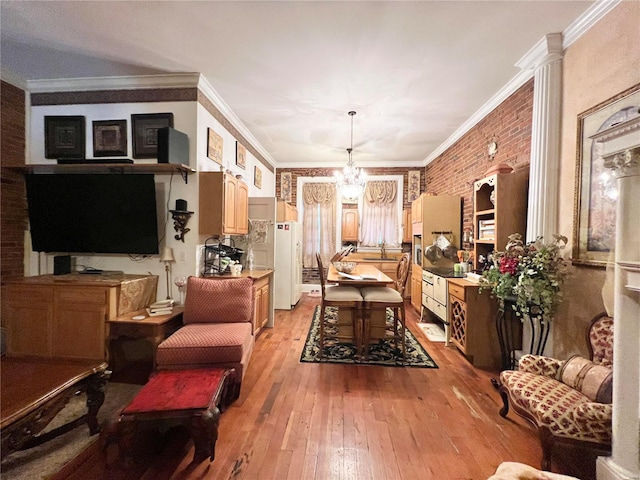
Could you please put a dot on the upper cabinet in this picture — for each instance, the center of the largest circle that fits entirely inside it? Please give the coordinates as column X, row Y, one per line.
column 285, row 212
column 349, row 224
column 500, row 209
column 406, row 226
column 438, row 213
column 223, row 204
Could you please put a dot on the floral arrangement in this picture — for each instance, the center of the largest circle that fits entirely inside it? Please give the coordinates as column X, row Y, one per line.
column 529, row 273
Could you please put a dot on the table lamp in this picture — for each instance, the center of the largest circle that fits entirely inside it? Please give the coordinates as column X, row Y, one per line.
column 167, row 258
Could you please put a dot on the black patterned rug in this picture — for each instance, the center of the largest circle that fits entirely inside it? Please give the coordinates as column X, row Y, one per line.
column 381, row 353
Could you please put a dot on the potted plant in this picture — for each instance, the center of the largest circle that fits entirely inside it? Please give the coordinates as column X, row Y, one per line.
column 528, row 276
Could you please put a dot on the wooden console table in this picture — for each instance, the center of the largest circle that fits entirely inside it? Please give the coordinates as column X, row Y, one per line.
column 155, row 328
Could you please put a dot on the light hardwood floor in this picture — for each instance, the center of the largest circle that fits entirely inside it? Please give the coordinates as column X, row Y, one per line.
column 324, row 421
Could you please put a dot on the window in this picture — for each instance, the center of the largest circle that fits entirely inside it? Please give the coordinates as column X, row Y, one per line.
column 381, row 211
column 318, row 222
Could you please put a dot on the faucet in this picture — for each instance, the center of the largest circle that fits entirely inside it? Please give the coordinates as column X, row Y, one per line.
column 383, row 250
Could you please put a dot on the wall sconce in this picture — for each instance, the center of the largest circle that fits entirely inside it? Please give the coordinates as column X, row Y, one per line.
column 167, row 258
column 180, row 217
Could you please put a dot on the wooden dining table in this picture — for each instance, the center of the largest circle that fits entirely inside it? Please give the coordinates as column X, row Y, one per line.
column 366, row 276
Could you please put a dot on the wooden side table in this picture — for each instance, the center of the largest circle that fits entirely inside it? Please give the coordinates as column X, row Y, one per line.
column 155, row 328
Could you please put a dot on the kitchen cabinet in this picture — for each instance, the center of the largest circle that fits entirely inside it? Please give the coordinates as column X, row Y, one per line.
column 434, row 292
column 285, row 212
column 416, row 287
column 472, row 323
column 223, row 204
column 438, row 213
column 350, row 225
column 262, row 303
column 407, row 234
column 64, row 316
column 500, row 209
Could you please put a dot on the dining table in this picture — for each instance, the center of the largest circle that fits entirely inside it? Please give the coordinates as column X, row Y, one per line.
column 363, row 275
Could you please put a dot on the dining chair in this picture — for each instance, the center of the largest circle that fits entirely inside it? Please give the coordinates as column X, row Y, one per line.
column 381, row 298
column 340, row 297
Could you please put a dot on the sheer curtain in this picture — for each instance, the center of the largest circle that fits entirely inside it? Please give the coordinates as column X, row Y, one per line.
column 318, row 222
column 380, row 214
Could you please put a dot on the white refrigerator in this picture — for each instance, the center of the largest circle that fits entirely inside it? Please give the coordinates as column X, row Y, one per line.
column 287, row 275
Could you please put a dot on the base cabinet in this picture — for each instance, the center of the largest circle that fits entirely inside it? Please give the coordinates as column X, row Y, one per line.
column 472, row 318
column 262, row 304
column 416, row 287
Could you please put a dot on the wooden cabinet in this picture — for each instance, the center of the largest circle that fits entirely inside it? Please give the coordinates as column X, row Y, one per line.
column 349, row 224
column 472, row 323
column 223, row 204
column 437, row 213
column 435, row 294
column 416, row 210
column 65, row 316
column 262, row 303
column 285, row 212
column 416, row 288
column 407, row 235
column 500, row 209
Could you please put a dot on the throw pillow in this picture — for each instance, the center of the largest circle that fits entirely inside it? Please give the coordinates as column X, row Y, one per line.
column 592, row 380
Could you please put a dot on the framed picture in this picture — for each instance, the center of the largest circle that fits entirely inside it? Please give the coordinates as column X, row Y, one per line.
column 109, row 138
column 413, row 188
column 64, row 137
column 257, row 177
column 145, row 132
column 241, row 155
column 214, row 146
column 594, row 221
column 285, row 186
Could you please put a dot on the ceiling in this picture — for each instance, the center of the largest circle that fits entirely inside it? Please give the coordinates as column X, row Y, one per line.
column 290, row 71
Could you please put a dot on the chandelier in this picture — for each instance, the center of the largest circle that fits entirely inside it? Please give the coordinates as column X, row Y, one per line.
column 352, row 180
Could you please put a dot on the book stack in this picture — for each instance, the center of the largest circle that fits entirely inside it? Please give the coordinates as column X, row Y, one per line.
column 163, row 307
column 487, row 229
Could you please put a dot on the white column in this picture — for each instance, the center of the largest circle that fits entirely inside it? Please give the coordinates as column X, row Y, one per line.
column 542, row 211
column 621, row 153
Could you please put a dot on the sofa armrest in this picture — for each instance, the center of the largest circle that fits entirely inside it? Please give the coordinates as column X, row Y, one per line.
column 540, row 365
column 588, row 421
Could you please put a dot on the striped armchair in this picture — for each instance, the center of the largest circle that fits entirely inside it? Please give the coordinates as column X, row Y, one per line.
column 218, row 328
column 567, row 401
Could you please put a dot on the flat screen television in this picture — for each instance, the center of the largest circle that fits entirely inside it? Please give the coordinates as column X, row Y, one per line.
column 92, row 213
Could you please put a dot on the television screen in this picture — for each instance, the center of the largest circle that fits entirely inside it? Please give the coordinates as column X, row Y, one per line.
column 95, row 213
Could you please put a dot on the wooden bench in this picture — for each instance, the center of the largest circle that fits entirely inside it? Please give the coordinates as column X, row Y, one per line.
column 34, row 390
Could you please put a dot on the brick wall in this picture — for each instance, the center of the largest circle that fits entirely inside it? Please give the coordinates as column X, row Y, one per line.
column 13, row 208
column 509, row 125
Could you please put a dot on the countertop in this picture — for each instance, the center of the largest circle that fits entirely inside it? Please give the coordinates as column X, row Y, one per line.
column 254, row 274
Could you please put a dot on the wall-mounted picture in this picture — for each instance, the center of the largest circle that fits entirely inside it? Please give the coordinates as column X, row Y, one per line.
column 241, row 155
column 214, row 146
column 109, row 138
column 145, row 132
column 596, row 189
column 64, row 136
column 413, row 189
column 285, row 186
column 257, row 177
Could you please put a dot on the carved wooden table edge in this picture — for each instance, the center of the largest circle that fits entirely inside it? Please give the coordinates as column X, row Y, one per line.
column 21, row 432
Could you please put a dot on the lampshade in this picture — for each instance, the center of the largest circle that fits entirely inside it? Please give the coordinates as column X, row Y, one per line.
column 351, row 181
column 167, row 255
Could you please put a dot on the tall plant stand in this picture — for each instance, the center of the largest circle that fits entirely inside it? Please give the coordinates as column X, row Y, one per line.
column 509, row 324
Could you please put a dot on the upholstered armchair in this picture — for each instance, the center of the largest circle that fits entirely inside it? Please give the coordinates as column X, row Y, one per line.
column 218, row 328
column 567, row 401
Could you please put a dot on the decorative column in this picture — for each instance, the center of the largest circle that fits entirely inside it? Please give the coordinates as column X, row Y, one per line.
column 546, row 60
column 620, row 146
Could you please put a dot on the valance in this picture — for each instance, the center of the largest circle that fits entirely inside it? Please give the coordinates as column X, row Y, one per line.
column 381, row 192
column 314, row 193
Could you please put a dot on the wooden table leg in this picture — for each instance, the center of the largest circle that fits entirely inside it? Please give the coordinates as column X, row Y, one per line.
column 204, row 431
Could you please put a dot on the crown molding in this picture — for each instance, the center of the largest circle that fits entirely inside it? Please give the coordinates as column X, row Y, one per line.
column 574, row 31
column 547, row 50
column 86, row 84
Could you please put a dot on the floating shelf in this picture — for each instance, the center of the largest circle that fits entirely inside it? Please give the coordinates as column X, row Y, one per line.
column 124, row 168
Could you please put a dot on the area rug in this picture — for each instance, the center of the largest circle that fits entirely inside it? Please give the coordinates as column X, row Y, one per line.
column 45, row 460
column 433, row 331
column 381, row 353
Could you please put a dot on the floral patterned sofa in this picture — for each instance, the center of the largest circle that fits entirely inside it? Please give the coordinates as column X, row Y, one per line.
column 567, row 401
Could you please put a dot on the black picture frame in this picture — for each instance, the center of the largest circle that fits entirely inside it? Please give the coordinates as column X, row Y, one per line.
column 144, row 132
column 64, row 136
column 109, row 138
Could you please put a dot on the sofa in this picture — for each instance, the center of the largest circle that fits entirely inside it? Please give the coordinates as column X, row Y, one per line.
column 218, row 328
column 569, row 402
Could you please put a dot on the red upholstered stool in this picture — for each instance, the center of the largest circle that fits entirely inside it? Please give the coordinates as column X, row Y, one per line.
column 193, row 398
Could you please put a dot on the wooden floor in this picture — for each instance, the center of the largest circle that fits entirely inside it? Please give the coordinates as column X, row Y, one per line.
column 325, row 421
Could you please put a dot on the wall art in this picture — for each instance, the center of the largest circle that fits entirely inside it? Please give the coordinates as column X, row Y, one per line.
column 109, row 138
column 241, row 155
column 64, row 136
column 145, row 132
column 413, row 188
column 594, row 222
column 257, row 177
column 285, row 186
column 214, row 146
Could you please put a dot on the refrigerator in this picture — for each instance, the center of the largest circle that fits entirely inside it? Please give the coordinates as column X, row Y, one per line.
column 287, row 275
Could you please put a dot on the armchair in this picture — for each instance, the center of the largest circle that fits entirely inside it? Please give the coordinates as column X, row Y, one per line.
column 567, row 401
column 218, row 328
